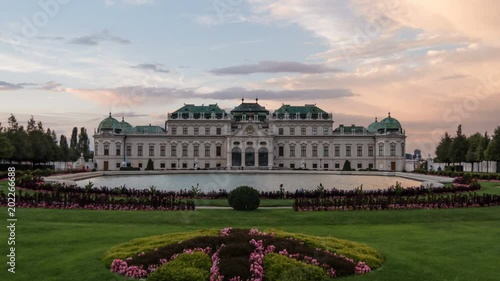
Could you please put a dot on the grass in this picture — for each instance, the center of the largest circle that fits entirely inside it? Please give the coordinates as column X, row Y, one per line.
column 453, row 244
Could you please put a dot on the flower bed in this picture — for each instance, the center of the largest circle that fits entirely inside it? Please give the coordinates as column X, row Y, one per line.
column 243, row 254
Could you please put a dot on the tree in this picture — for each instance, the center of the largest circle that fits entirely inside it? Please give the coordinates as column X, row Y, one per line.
column 13, row 125
column 83, row 143
column 31, row 125
column 458, row 148
column 443, row 149
column 150, row 165
column 493, row 151
column 1, row 128
column 6, row 148
column 347, row 166
column 63, row 149
column 73, row 143
column 20, row 140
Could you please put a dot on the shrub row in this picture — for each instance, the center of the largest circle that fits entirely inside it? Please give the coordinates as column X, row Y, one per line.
column 453, row 174
column 431, row 201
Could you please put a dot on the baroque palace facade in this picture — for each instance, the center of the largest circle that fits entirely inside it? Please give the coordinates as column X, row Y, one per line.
column 250, row 137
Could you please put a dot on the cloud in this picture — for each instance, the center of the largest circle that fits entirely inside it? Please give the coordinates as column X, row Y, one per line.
column 273, row 67
column 98, row 38
column 280, row 95
column 5, row 86
column 110, row 3
column 51, row 38
column 51, row 86
column 151, row 67
column 452, row 77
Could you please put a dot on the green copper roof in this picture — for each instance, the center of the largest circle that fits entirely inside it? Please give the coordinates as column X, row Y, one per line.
column 148, row 130
column 124, row 124
column 373, row 127
column 109, row 123
column 389, row 123
column 293, row 109
column 207, row 109
column 253, row 107
column 351, row 129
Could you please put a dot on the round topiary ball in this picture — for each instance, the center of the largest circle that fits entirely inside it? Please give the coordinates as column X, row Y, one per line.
column 244, row 198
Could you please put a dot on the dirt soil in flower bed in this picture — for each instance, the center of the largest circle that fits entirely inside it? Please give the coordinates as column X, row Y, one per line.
column 238, row 254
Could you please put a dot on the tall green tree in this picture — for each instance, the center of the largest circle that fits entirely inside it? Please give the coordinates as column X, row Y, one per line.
column 73, row 145
column 13, row 125
column 6, row 148
column 84, row 143
column 1, row 128
column 20, row 140
column 31, row 125
column 63, row 149
column 459, row 146
column 493, row 151
column 443, row 149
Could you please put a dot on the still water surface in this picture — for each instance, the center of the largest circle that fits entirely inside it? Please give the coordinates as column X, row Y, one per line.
column 262, row 182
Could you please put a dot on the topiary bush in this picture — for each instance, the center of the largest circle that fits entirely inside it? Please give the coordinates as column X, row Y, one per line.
column 278, row 267
column 186, row 267
column 244, row 198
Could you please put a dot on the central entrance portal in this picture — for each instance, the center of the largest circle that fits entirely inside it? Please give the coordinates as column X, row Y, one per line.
column 263, row 157
column 249, row 157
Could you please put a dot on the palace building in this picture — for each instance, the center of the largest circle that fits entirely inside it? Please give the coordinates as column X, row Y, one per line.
column 250, row 137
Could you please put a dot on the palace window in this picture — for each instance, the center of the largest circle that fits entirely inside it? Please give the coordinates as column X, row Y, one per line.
column 184, row 150
column 174, row 131
column 292, row 150
column 403, row 149
column 292, row 131
column 139, row 150
column 315, row 131
column 218, row 151
column 172, row 165
column 196, row 151
column 207, row 165
column 325, row 130
column 118, row 150
column 370, row 166
column 360, row 151
column 348, row 151
column 381, row 150
column 326, row 153
column 303, row 131
column 162, row 150
column 219, row 131
column 337, row 151
column 370, row 150
column 162, row 165
column 196, row 130
column 207, row 150
column 129, row 150
column 184, row 130
column 173, row 150
column 151, row 150
column 117, row 165
column 303, row 151
column 281, row 150
column 360, row 165
column 207, row 130
column 280, row 131
column 393, row 150
column 315, row 151
column 106, row 149
column 337, row 166
column 96, row 148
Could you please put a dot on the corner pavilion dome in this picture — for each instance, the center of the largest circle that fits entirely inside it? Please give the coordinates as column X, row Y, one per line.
column 373, row 127
column 109, row 124
column 390, row 123
column 125, row 125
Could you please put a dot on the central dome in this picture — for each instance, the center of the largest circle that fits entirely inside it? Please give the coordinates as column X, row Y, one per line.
column 109, row 124
column 390, row 123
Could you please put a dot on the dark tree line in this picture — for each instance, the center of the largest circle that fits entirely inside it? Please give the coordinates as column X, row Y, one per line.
column 475, row 148
column 37, row 145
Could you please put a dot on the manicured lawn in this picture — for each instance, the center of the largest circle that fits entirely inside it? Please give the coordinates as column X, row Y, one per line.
column 454, row 244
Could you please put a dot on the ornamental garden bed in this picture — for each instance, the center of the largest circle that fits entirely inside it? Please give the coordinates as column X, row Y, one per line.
column 241, row 254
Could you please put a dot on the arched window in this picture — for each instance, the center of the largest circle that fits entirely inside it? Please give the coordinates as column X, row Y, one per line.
column 263, row 157
column 236, row 157
column 250, row 157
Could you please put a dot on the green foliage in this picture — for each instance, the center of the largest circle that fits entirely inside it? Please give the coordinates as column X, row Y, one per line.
column 458, row 148
column 186, row 267
column 443, row 149
column 278, row 267
column 347, row 166
column 150, row 166
column 6, row 148
column 136, row 246
column 244, row 198
column 493, row 151
column 83, row 145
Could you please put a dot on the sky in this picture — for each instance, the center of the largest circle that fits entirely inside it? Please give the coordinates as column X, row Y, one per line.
column 432, row 64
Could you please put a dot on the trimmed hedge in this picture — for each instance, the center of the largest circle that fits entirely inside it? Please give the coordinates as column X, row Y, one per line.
column 186, row 267
column 244, row 198
column 278, row 268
